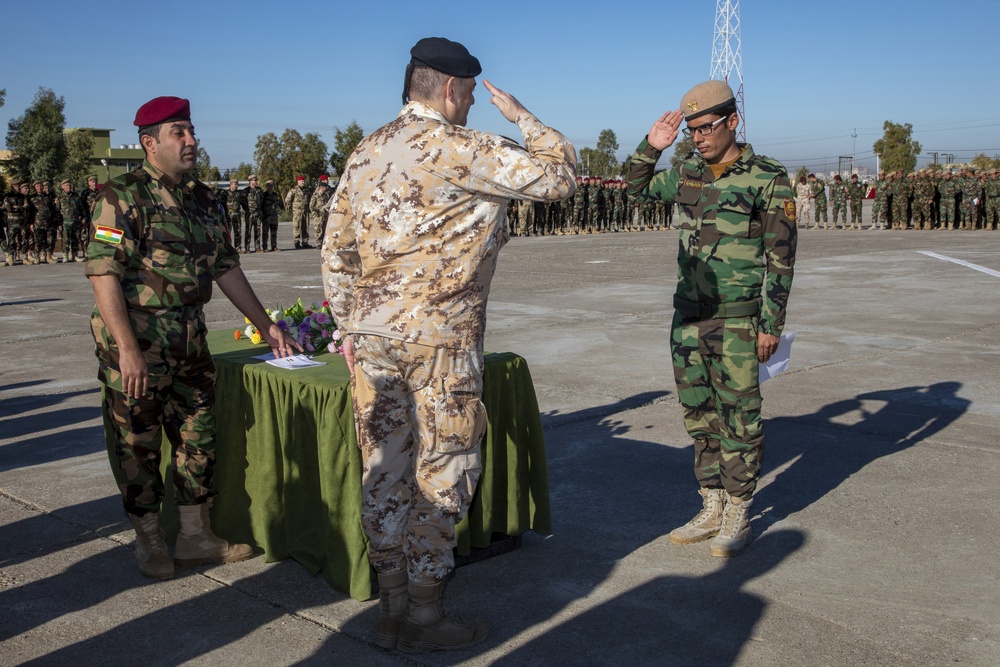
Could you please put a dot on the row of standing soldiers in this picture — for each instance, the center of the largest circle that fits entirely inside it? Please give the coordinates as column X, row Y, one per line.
column 252, row 214
column 938, row 200
column 598, row 206
column 34, row 217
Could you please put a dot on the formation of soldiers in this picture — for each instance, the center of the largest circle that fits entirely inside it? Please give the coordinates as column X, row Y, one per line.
column 926, row 199
column 253, row 215
column 36, row 220
column 598, row 206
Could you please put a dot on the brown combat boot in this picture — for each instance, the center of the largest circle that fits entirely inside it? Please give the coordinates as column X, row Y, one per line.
column 198, row 545
column 428, row 628
column 392, row 607
column 705, row 523
column 151, row 547
column 735, row 531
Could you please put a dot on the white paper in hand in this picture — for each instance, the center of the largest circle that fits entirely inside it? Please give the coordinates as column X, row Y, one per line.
column 779, row 360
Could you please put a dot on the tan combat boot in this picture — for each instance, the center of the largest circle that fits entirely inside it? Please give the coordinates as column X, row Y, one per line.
column 735, row 532
column 392, row 607
column 198, row 545
column 151, row 547
column 428, row 628
column 705, row 523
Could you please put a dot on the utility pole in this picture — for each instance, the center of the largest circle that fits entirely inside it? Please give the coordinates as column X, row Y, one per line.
column 727, row 55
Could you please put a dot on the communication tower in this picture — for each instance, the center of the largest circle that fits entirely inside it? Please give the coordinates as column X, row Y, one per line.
column 727, row 55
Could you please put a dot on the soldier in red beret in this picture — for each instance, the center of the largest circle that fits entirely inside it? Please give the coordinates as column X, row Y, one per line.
column 158, row 241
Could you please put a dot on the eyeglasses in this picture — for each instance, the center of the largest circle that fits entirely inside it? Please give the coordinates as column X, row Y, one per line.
column 706, row 130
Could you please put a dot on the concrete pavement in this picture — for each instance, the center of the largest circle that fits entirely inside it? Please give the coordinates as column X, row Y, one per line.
column 875, row 537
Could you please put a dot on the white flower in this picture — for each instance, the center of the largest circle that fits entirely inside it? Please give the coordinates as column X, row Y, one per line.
column 249, row 331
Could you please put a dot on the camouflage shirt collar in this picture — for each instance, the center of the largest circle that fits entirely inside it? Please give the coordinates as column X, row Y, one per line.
column 421, row 109
column 187, row 181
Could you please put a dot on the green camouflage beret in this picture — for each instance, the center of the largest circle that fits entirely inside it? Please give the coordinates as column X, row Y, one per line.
column 66, row 181
column 705, row 98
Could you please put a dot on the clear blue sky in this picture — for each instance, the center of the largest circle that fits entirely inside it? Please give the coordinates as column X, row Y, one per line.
column 814, row 72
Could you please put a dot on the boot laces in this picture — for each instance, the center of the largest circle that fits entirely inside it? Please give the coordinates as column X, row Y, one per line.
column 733, row 519
column 709, row 510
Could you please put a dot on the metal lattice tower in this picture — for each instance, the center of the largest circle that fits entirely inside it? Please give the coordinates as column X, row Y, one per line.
column 727, row 55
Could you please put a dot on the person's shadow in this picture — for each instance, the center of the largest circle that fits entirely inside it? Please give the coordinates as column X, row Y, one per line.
column 818, row 451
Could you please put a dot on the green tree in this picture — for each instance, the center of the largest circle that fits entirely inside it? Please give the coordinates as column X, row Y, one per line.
column 601, row 161
column 803, row 171
column 683, row 150
column 36, row 138
column 242, row 171
column 896, row 149
column 79, row 151
column 267, row 157
column 206, row 172
column 344, row 143
column 312, row 156
column 983, row 163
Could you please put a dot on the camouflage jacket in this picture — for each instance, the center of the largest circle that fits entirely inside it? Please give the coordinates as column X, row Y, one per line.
column 882, row 190
column 838, row 192
column 15, row 206
column 971, row 188
column 802, row 191
column 737, row 233
column 992, row 188
column 818, row 191
column 254, row 199
column 70, row 207
column 418, row 220
column 855, row 192
column 45, row 211
column 164, row 241
column 318, row 202
column 297, row 198
column 236, row 203
column 947, row 188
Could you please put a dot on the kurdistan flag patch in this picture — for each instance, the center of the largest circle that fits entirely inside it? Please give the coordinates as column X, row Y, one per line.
column 108, row 235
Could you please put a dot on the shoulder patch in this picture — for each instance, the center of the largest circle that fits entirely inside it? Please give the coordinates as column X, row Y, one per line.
column 790, row 209
column 108, row 235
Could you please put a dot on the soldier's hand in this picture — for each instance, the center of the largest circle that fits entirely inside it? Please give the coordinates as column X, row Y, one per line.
column 767, row 345
column 281, row 343
column 135, row 373
column 665, row 130
column 505, row 102
column 348, row 350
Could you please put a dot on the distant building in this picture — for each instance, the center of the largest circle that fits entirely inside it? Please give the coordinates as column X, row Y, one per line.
column 106, row 162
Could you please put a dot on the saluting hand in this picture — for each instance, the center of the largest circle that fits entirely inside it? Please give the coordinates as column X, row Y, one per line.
column 665, row 129
column 505, row 102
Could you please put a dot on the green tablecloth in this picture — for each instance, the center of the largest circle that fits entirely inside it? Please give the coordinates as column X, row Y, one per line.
column 288, row 468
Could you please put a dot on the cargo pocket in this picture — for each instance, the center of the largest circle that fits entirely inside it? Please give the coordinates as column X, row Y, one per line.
column 460, row 416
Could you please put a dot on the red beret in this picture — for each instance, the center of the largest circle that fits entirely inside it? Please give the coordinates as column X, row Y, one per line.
column 323, row 177
column 300, row 178
column 161, row 110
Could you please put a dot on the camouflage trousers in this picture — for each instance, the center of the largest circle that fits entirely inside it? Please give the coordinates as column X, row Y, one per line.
column 899, row 214
column 820, row 209
column 45, row 238
column 922, row 214
column 803, row 207
column 182, row 409
column 17, row 240
column 879, row 213
column 252, row 229
column 839, row 210
column 419, row 419
column 968, row 214
column 300, row 226
column 716, row 370
column 236, row 225
column 270, row 229
column 992, row 212
column 856, row 214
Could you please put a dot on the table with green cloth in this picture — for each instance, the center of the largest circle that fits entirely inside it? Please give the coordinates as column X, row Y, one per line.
column 288, row 468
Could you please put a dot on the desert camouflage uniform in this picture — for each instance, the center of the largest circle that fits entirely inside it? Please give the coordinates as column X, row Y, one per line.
column 297, row 200
column 408, row 276
column 737, row 238
column 855, row 195
column 253, row 198
column 802, row 204
column 173, row 246
column 317, row 207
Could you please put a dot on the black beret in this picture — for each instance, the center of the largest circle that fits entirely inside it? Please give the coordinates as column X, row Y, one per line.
column 446, row 56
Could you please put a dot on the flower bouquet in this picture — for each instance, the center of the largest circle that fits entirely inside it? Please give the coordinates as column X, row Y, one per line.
column 313, row 328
